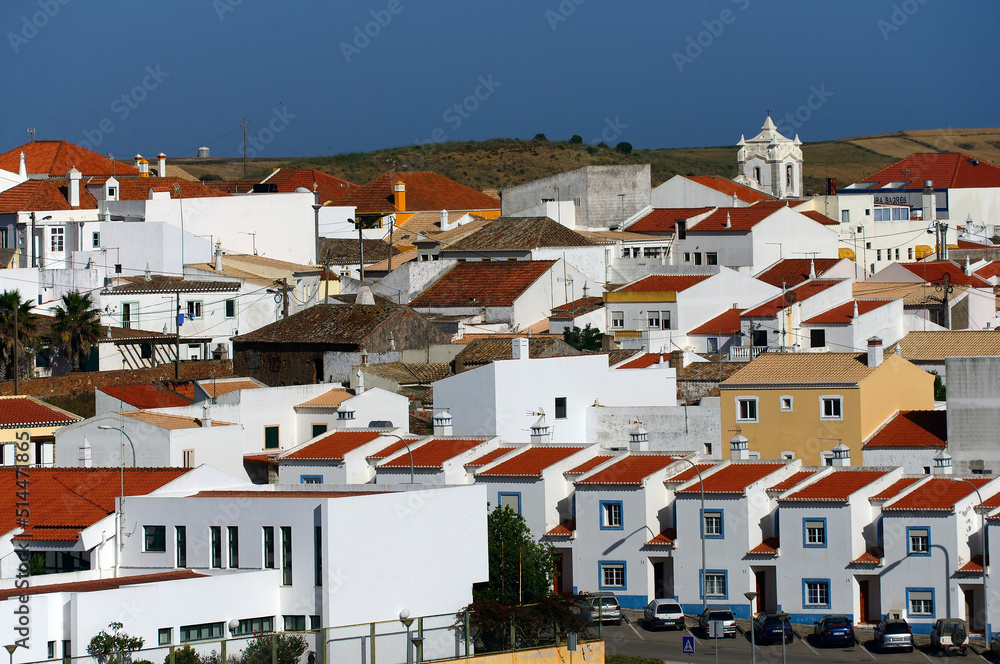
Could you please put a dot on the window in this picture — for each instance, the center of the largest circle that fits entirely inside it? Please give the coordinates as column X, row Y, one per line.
column 713, row 344
column 155, row 539
column 715, row 584
column 271, row 438
column 711, row 258
column 845, row 216
column 653, row 319
column 194, row 308
column 311, row 479
column 697, row 258
column 95, row 240
column 254, row 626
column 130, row 315
column 878, row 254
column 295, row 623
column 57, row 237
column 187, row 458
column 611, row 515
column 612, row 575
column 318, row 555
column 816, row 593
column 234, row 547
column 788, row 455
column 786, row 404
column 919, row 541
column 216, row 539
column 909, row 253
column 51, row 649
column 746, row 409
column 315, row 623
column 286, row 555
column 831, row 408
column 618, row 319
column 687, row 257
column 180, row 536
column 560, row 408
column 712, row 524
column 817, row 338
column 112, row 192
column 231, row 308
column 665, row 319
column 202, row 632
column 814, row 532
column 511, row 500
column 164, row 636
column 920, row 601
column 897, row 254
column 268, row 547
column 4, row 238
column 318, row 429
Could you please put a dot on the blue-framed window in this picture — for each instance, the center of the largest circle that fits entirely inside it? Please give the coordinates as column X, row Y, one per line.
column 311, row 479
column 920, row 601
column 880, row 533
column 715, row 583
column 611, row 515
column 816, row 593
column 511, row 499
column 814, row 533
column 713, row 524
column 612, row 575
column 918, row 541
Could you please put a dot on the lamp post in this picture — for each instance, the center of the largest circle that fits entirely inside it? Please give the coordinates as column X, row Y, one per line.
column 10, row 650
column 106, row 427
column 408, row 451
column 986, row 569
column 751, row 596
column 404, row 617
column 704, row 599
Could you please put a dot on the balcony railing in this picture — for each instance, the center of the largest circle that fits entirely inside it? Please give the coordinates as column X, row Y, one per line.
column 745, row 353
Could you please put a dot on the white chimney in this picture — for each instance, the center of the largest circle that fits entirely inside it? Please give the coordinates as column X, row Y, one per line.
column 927, row 201
column 638, row 439
column 519, row 348
column 345, row 416
column 942, row 464
column 161, row 165
column 729, row 222
column 444, row 220
column 442, row 424
column 365, row 296
column 73, row 187
column 359, row 386
column 739, row 448
column 841, row 455
column 137, row 159
column 874, row 352
column 812, row 268
column 85, row 460
column 218, row 255
column 22, row 170
column 206, row 416
column 540, row 432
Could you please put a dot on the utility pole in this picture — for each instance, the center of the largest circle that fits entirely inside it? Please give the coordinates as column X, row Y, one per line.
column 17, row 357
column 177, row 339
column 361, row 249
column 326, row 278
column 283, row 285
column 244, row 148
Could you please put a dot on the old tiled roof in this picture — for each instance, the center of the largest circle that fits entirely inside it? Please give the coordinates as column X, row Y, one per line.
column 895, row 489
column 145, row 396
column 659, row 283
column 330, row 188
column 820, row 217
column 646, row 360
column 217, row 388
column 137, row 189
column 425, row 191
column 630, row 470
column 734, row 478
column 974, row 566
column 727, row 186
column 768, row 547
column 530, row 463
column 948, row 170
column 666, row 538
column 616, row 357
column 733, row 219
column 689, row 473
column 789, row 482
column 791, row 272
column 521, row 234
column 576, row 308
column 801, row 369
column 345, row 251
column 433, row 453
column 936, row 494
column 391, row 449
column 728, row 322
column 490, row 456
column 485, row 351
column 18, row 412
column 589, row 464
column 564, row 529
column 250, row 262
column 935, row 271
column 482, row 284
column 172, row 422
column 42, row 195
column 837, row 486
column 664, row 220
column 843, row 314
column 408, row 373
column 328, row 399
column 801, row 292
column 56, row 158
column 161, row 284
column 935, row 346
column 70, row 499
column 873, row 556
column 340, row 324
column 335, row 445
column 428, row 224
column 708, row 371
column 912, row 428
column 96, row 585
column 397, row 260
column 231, row 186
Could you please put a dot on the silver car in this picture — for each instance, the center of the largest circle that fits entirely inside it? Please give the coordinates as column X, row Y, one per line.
column 894, row 635
column 601, row 607
column 664, row 613
column 718, row 614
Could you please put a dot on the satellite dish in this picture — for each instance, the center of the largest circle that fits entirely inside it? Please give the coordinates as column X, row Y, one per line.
column 791, row 297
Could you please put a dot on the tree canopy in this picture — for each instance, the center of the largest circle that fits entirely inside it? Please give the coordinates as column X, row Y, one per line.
column 589, row 338
column 26, row 324
column 521, row 569
column 77, row 326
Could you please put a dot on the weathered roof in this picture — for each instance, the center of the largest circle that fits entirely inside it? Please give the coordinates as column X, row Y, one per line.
column 345, row 251
column 912, row 294
column 485, row 351
column 96, row 585
column 947, row 170
column 137, row 189
column 790, row 272
column 664, row 220
column 576, row 308
column 216, row 388
column 912, row 428
column 531, row 462
column 161, row 284
column 483, row 284
column 801, row 292
column 409, row 373
column 349, row 324
column 801, row 369
column 935, row 346
column 171, row 422
column 734, row 478
column 18, row 412
column 520, row 234
column 425, row 190
column 329, row 399
column 145, row 395
column 330, row 188
column 837, row 486
column 56, row 158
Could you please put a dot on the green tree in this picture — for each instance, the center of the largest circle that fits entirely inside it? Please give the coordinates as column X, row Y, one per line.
column 521, row 568
column 258, row 650
column 111, row 648
column 940, row 391
column 27, row 322
column 589, row 338
column 77, row 326
column 540, row 138
column 209, row 177
column 576, row 138
column 624, row 147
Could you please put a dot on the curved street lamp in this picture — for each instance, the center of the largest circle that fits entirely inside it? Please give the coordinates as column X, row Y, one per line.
column 105, row 427
column 704, row 598
column 408, row 451
column 986, row 569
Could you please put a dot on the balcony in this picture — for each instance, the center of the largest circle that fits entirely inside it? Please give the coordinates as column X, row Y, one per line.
column 746, row 353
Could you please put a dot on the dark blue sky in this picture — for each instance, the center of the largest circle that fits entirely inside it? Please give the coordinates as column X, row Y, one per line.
column 127, row 76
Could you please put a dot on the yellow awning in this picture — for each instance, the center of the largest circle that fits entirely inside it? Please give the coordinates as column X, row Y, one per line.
column 847, row 253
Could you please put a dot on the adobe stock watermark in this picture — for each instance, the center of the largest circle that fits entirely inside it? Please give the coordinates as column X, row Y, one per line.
column 257, row 141
column 364, row 34
column 456, row 114
column 562, row 12
column 123, row 105
column 900, row 14
column 223, row 7
column 816, row 100
column 30, row 25
column 714, row 28
column 611, row 131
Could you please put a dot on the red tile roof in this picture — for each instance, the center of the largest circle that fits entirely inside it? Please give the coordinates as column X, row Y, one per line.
column 590, row 464
column 631, row 469
column 664, row 220
column 791, row 272
column 490, row 456
column 738, row 219
column 689, row 473
column 728, row 322
column 768, row 547
column 934, row 271
column 331, row 189
column 434, row 453
column 564, row 529
column 18, row 412
column 530, row 463
column 647, row 360
column 257, row 493
column 837, row 486
column 912, row 428
column 56, row 158
column 872, row 556
column 658, row 283
column 789, row 482
column 666, row 538
column 843, row 314
column 895, row 489
column 145, row 396
column 974, row 566
column 802, row 292
column 425, row 191
column 334, row 446
column 482, row 284
column 390, row 449
column 42, row 195
column 100, row 584
column 948, row 170
column 820, row 217
column 734, row 478
column 137, row 189
column 989, row 270
column 728, row 187
column 937, row 494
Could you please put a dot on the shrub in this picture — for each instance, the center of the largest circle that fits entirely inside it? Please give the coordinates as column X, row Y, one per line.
column 576, row 138
column 540, row 138
column 258, row 650
column 624, row 147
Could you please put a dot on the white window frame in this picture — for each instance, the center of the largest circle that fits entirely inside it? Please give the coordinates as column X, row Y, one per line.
column 612, row 575
column 611, row 514
column 820, row 588
column 653, row 320
column 665, row 320
column 787, row 403
column 617, row 320
column 195, row 310
column 715, row 584
column 921, row 602
column 57, row 239
column 739, row 410
column 831, row 399
column 815, row 532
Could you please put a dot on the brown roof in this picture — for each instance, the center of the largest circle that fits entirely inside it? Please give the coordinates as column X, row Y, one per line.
column 490, row 456
column 584, row 305
column 820, row 217
column 96, row 585
column 790, row 272
column 217, row 388
column 485, row 351
column 425, row 190
column 734, row 219
column 789, row 482
column 56, row 158
column 935, row 346
column 590, row 464
column 341, row 324
column 664, row 220
column 42, row 195
column 482, row 284
column 345, row 251
column 428, row 224
column 912, row 294
column 161, row 284
column 768, row 547
column 912, row 428
column 408, row 373
column 837, row 486
column 708, row 371
column 328, row 399
column 172, row 422
column 521, row 234
column 801, row 369
column 145, row 396
column 896, row 488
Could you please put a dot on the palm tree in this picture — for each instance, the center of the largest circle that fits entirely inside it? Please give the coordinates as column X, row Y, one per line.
column 26, row 324
column 77, row 326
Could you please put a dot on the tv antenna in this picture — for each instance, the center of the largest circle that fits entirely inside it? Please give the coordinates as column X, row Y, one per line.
column 31, row 134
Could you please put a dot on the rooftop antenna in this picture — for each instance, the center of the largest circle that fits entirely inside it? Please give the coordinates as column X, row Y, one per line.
column 31, row 134
column 253, row 237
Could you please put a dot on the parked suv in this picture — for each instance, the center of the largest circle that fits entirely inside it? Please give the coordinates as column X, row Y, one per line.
column 601, row 607
column 950, row 634
column 772, row 627
column 722, row 613
column 664, row 613
column 894, row 635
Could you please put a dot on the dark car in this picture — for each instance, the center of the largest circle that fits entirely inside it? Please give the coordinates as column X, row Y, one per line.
column 771, row 628
column 718, row 614
column 834, row 631
column 894, row 635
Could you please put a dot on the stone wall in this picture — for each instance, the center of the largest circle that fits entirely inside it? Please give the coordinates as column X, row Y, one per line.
column 89, row 380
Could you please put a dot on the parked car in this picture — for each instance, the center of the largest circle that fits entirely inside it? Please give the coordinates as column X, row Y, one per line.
column 721, row 613
column 772, row 627
column 894, row 634
column 664, row 613
column 601, row 607
column 834, row 631
column 995, row 645
column 950, row 634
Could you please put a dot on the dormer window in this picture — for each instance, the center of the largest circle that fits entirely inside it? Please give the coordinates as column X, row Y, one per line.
column 112, row 192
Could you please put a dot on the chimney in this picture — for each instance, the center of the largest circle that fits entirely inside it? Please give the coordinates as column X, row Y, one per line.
column 161, row 165
column 85, row 460
column 143, row 168
column 831, row 186
column 73, row 189
column 22, row 170
column 841, row 455
column 206, row 416
column 443, row 221
column 400, row 198
column 638, row 439
column 729, row 222
column 218, row 255
column 442, row 424
column 365, row 296
column 942, row 464
column 927, row 201
column 540, row 432
column 874, row 352
column 359, row 386
column 736, row 200
column 855, row 309
column 137, row 159
column 812, row 268
column 739, row 448
column 519, row 348
column 345, row 416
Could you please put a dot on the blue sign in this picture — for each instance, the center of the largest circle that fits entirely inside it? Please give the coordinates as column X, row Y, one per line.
column 687, row 645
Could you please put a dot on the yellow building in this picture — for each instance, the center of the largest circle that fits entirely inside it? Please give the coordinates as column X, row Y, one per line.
column 802, row 405
column 25, row 419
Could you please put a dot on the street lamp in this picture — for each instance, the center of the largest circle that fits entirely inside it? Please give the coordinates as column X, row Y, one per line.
column 10, row 650
column 704, row 599
column 751, row 596
column 106, row 427
column 986, row 569
column 408, row 451
column 404, row 617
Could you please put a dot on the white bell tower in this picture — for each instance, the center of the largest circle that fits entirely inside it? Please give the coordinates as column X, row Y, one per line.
column 771, row 163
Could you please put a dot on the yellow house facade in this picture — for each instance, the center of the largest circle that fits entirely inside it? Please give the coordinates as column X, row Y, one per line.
column 802, row 405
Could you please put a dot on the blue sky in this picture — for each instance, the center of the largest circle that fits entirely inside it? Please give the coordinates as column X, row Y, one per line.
column 127, row 76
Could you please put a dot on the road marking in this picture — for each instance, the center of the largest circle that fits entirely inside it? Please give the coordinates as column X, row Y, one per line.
column 632, row 627
column 805, row 641
column 867, row 652
column 696, row 639
column 923, row 653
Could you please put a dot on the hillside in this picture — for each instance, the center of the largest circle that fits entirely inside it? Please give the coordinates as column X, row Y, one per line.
column 501, row 163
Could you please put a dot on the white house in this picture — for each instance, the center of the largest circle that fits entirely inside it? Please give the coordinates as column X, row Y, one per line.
column 913, row 440
column 337, row 457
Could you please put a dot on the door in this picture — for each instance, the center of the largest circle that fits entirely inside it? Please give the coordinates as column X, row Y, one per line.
column 557, row 573
column 761, row 578
column 863, row 597
column 658, row 587
column 760, row 337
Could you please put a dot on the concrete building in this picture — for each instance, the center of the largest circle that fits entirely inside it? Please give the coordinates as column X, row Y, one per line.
column 693, row 191
column 974, row 414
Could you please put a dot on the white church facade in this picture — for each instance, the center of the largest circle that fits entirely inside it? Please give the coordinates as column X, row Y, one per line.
column 771, row 163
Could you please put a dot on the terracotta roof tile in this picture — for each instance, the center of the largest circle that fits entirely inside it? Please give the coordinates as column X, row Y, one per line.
column 483, row 284
column 425, row 191
column 837, row 486
column 728, row 322
column 727, row 186
column 791, row 272
column 170, row 422
column 137, row 189
column 935, row 271
column 768, row 547
column 56, row 158
column 217, row 388
column 565, row 529
column 489, row 457
column 666, row 538
column 42, row 195
column 991, row 269
column 789, row 482
column 346, row 324
column 161, row 284
column 101, row 584
column 948, row 170
column 329, row 399
column 576, row 308
column 484, row 351
column 734, row 478
column 843, row 314
column 895, row 489
column 873, row 556
column 733, row 220
column 530, row 463
column 590, row 464
column 616, row 357
column 145, row 396
column 935, row 346
column 630, row 470
column 330, row 188
column 974, row 566
column 912, row 428
column 820, row 217
column 334, row 446
column 801, row 369
column 659, row 283
column 28, row 412
column 521, row 234
column 912, row 294
column 802, row 292
column 390, row 449
column 647, row 360
column 689, row 473
column 408, row 373
column 937, row 494
column 664, row 220
column 345, row 251
column 433, row 453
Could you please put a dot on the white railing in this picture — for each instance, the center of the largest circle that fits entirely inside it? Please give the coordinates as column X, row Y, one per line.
column 745, row 353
